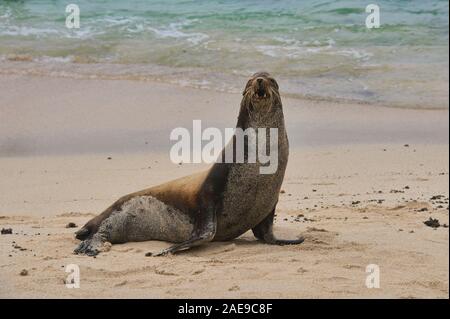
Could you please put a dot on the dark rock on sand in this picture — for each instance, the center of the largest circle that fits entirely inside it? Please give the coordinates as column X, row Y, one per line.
column 434, row 223
column 6, row 231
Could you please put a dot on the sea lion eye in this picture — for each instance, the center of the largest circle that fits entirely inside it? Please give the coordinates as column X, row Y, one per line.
column 274, row 83
column 249, row 82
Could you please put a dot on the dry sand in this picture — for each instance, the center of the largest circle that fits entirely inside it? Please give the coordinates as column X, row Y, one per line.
column 352, row 188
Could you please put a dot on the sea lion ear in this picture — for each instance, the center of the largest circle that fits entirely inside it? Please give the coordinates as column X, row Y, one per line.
column 249, row 82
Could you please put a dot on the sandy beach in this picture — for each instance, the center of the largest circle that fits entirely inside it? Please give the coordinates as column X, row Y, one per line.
column 360, row 183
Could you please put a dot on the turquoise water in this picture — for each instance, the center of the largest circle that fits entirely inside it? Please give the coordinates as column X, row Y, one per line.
column 317, row 49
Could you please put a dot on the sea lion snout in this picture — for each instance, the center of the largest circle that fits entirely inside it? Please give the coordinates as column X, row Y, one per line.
column 260, row 87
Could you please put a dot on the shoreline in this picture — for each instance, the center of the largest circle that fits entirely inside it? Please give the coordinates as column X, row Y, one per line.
column 200, row 79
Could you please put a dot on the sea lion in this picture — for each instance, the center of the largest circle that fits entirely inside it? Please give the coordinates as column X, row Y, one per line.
column 219, row 204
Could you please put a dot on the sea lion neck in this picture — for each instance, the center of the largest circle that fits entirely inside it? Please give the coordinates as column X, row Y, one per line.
column 273, row 118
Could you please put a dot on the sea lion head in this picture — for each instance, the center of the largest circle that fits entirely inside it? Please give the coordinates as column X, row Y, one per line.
column 261, row 94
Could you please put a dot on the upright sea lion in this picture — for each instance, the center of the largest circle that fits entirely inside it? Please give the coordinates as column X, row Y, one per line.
column 215, row 205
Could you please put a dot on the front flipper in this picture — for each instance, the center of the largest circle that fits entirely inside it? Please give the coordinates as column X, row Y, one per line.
column 264, row 231
column 204, row 231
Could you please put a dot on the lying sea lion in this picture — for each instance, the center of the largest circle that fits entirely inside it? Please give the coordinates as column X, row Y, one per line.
column 219, row 204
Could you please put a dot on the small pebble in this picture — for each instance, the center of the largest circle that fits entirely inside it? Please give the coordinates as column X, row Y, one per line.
column 431, row 222
column 6, row 231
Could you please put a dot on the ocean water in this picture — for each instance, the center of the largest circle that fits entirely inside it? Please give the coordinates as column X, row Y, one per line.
column 317, row 49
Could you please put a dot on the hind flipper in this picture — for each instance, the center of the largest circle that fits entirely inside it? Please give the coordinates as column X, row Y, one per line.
column 109, row 231
column 91, row 246
column 92, row 226
column 83, row 233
